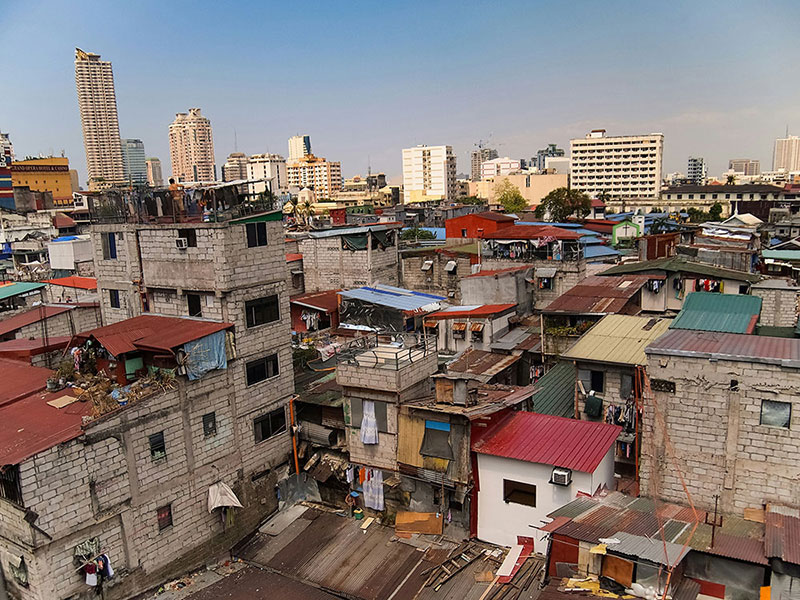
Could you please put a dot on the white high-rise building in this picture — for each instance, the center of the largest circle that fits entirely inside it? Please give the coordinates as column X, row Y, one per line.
column 235, row 168
column 97, row 102
column 429, row 173
column 299, row 146
column 133, row 161
column 272, row 169
column 787, row 154
column 617, row 166
column 5, row 144
column 697, row 171
column 500, row 166
column 191, row 147
column 154, row 176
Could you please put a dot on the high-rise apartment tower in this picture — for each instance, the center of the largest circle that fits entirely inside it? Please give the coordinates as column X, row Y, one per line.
column 191, row 147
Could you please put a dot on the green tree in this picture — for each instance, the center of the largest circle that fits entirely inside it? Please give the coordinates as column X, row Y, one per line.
column 416, row 233
column 715, row 212
column 472, row 200
column 510, row 197
column 562, row 203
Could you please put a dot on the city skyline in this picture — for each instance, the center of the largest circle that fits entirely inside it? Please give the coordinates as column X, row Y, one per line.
column 729, row 99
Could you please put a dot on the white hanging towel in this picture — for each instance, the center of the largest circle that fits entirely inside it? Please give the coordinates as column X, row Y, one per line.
column 219, row 494
column 373, row 490
column 369, row 425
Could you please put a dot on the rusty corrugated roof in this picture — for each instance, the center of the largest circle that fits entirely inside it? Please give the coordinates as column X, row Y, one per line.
column 599, row 295
column 782, row 538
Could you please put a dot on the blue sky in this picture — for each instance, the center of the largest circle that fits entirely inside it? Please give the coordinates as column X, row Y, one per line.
column 366, row 79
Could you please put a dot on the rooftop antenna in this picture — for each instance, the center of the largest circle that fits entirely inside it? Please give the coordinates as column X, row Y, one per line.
column 369, row 166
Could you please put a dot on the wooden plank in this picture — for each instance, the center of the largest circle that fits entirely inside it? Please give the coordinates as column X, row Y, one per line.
column 618, row 569
column 417, row 522
column 367, row 523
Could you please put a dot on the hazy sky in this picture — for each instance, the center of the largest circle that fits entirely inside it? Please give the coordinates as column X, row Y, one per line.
column 366, row 79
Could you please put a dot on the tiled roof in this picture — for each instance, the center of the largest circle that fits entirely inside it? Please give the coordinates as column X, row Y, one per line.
column 727, row 313
column 618, row 339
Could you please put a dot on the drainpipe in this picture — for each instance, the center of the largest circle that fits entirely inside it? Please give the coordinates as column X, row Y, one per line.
column 294, row 435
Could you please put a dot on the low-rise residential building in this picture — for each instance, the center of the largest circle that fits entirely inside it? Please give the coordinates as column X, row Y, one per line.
column 755, row 198
column 472, row 226
column 385, row 308
column 69, row 254
column 438, row 270
column 316, row 311
column 779, row 302
column 457, row 328
column 500, row 286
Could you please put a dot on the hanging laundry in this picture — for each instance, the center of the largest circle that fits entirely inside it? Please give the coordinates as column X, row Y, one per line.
column 369, row 425
column 362, row 475
column 91, row 573
column 350, row 474
column 373, row 490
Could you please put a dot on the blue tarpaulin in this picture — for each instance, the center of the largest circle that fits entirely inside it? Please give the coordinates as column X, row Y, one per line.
column 205, row 354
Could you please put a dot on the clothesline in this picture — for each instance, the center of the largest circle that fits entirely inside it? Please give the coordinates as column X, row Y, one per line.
column 91, row 560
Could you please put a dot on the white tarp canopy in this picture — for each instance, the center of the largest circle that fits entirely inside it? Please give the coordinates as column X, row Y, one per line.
column 219, row 495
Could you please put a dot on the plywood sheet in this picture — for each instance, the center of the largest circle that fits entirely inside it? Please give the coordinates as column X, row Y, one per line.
column 417, row 522
column 618, row 569
column 62, row 401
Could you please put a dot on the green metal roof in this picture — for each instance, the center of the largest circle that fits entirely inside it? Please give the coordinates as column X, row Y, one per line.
column 274, row 215
column 679, row 264
column 725, row 313
column 17, row 288
column 789, row 255
column 555, row 391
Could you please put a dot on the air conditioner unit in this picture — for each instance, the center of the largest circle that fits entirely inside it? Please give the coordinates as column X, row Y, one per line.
column 561, row 476
column 181, row 243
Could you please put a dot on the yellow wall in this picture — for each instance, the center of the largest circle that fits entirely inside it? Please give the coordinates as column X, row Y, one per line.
column 532, row 187
column 43, row 180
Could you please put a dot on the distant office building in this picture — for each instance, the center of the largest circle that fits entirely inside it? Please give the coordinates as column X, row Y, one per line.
column 429, row 173
column 617, row 166
column 154, row 176
column 559, row 164
column 235, row 168
column 272, row 169
column 542, row 155
column 745, row 166
column 5, row 144
column 500, row 166
column 133, row 161
column 478, row 157
column 316, row 173
column 786, row 154
column 97, row 102
column 191, row 147
column 299, row 146
column 696, row 171
column 45, row 175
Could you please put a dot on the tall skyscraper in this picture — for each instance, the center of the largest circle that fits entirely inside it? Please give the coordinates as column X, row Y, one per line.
column 299, row 146
column 5, row 144
column 541, row 156
column 429, row 173
column 133, row 161
column 191, row 147
column 745, row 166
column 477, row 158
column 97, row 102
column 697, row 171
column 154, row 176
column 787, row 154
column 617, row 166
column 235, row 167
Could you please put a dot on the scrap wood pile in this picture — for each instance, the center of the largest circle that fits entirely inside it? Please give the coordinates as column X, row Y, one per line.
column 105, row 396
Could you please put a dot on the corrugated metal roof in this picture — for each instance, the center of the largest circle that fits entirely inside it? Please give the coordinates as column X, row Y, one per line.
column 530, row 232
column 728, row 346
column 618, row 339
column 393, row 297
column 485, row 310
column 75, row 281
column 20, row 379
column 599, row 295
column 555, row 391
column 34, row 315
column 482, row 364
column 790, row 255
column 493, row 272
column 549, row 440
column 728, row 313
column 679, row 264
column 657, row 551
column 9, row 290
column 599, row 251
column 352, row 230
column 782, row 539
column 324, row 301
column 519, row 338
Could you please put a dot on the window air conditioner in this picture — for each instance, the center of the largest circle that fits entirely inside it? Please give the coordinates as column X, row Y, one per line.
column 181, row 243
column 561, row 476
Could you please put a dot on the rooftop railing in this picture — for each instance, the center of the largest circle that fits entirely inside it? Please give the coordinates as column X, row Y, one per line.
column 389, row 351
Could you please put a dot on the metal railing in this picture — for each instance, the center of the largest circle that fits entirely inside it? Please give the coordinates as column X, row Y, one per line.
column 386, row 351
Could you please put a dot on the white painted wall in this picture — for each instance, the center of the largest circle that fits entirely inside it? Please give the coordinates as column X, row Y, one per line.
column 64, row 255
column 493, row 330
column 500, row 522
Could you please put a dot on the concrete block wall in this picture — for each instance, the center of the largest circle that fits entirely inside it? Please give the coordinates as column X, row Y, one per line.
column 67, row 323
column 119, row 273
column 435, row 280
column 778, row 306
column 720, row 445
column 568, row 275
column 612, row 392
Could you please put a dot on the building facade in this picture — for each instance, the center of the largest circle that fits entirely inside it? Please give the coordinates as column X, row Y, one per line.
column 272, row 169
column 5, row 144
column 500, row 166
column 318, row 174
column 552, row 151
column 155, row 177
column 235, row 168
column 134, row 165
column 299, row 146
column 787, row 154
column 617, row 166
column 429, row 173
column 697, row 170
column 191, row 147
column 477, row 158
column 97, row 102
column 745, row 166
column 44, row 175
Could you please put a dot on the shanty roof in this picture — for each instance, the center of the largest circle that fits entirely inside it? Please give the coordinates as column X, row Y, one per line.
column 519, row 338
column 327, row 301
column 618, row 339
column 599, row 295
column 17, row 288
column 74, row 281
column 549, row 440
column 789, row 255
column 599, row 251
column 495, row 272
column 20, row 379
column 151, row 332
column 490, row 399
column 529, row 232
column 62, row 221
column 728, row 346
column 482, row 365
column 293, row 256
column 394, row 297
column 480, row 311
column 23, row 349
column 488, row 215
column 34, row 315
column 727, row 313
column 782, row 536
column 353, row 230
column 679, row 264
column 555, row 391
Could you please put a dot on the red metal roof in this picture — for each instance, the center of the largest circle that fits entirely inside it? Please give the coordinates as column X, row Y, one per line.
column 29, row 425
column 488, row 215
column 20, row 379
column 293, row 256
column 782, row 537
column 151, row 332
column 23, row 349
column 529, row 232
column 62, row 221
column 549, row 440
column 29, row 317
column 74, row 281
column 727, row 346
column 487, row 310
column 600, row 295
column 493, row 272
column 327, row 301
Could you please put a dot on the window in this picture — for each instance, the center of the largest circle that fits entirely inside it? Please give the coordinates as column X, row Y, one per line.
column 194, row 304
column 209, row 424
column 158, row 449
column 545, row 283
column 357, row 414
column 9, row 485
column 261, row 369
column 113, row 298
column 625, row 386
column 269, row 425
column 164, row 515
column 190, row 235
column 436, row 441
column 519, row 493
column 776, row 414
column 476, row 330
column 463, row 233
column 256, row 234
column 261, row 311
column 109, row 243
column 591, row 380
